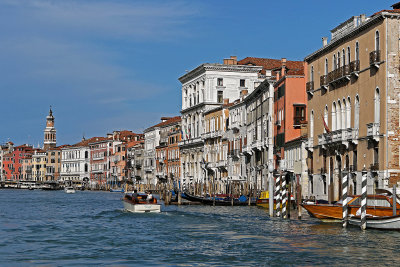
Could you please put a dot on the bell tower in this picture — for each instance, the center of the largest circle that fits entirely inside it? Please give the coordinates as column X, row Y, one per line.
column 49, row 132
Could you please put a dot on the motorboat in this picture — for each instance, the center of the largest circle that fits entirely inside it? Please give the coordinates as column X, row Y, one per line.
column 69, row 190
column 378, row 205
column 140, row 203
column 378, row 222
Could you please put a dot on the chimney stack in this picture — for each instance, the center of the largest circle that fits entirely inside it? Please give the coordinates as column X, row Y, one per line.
column 230, row 61
column 362, row 18
column 324, row 41
column 226, row 101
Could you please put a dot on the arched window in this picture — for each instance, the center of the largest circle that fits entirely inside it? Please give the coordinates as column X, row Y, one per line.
column 377, row 47
column 348, row 113
column 343, row 58
column 334, row 121
column 312, row 74
column 348, row 55
column 357, row 55
column 326, row 66
column 377, row 106
column 326, row 114
column 357, row 112
column 312, row 124
column 334, row 63
column 339, row 116
column 338, row 60
column 344, row 114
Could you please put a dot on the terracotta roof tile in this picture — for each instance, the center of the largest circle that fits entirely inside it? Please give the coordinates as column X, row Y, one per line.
column 294, row 67
column 167, row 122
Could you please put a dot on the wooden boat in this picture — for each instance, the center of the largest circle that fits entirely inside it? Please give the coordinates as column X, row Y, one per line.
column 382, row 222
column 219, row 201
column 377, row 205
column 140, row 204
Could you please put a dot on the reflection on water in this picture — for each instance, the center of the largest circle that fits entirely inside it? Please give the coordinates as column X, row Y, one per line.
column 39, row 227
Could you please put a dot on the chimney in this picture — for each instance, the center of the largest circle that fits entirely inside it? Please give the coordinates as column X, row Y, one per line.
column 226, row 101
column 243, row 93
column 396, row 6
column 324, row 41
column 362, row 18
column 230, row 61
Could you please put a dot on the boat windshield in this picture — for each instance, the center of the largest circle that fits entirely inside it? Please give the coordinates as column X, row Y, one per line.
column 341, row 201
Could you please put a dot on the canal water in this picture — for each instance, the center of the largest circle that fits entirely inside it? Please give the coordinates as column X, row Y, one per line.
column 51, row 228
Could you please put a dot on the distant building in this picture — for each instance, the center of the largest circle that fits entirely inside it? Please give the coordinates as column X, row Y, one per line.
column 4, row 149
column 39, row 161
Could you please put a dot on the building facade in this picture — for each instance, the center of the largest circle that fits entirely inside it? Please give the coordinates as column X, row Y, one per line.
column 205, row 88
column 353, row 89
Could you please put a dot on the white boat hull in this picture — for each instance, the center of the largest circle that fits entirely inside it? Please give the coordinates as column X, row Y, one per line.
column 386, row 223
column 141, row 208
column 69, row 191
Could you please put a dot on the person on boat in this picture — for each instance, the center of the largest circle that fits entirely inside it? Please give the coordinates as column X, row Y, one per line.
column 149, row 197
column 135, row 195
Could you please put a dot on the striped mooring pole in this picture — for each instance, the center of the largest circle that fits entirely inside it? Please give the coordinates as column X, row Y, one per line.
column 284, row 198
column 278, row 196
column 344, row 196
column 363, row 224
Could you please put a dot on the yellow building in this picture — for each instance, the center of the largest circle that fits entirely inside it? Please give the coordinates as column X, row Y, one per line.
column 353, row 101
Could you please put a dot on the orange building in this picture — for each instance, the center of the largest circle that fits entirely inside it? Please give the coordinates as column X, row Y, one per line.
column 290, row 107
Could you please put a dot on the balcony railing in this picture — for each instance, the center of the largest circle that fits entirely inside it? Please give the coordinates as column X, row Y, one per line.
column 310, row 87
column 339, row 74
column 324, row 80
column 374, row 57
column 373, row 130
column 234, row 153
column 354, row 66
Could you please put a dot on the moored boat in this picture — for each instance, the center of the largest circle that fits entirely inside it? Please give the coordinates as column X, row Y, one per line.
column 139, row 203
column 380, row 222
column 377, row 205
column 219, row 201
column 117, row 190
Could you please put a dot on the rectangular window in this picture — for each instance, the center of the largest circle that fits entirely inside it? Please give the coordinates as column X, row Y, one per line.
column 242, row 83
column 299, row 114
column 220, row 82
column 220, row 96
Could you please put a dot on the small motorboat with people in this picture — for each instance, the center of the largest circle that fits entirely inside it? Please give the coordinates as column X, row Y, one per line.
column 69, row 190
column 141, row 202
column 378, row 205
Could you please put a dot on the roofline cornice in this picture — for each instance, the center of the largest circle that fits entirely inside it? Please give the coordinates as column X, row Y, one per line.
column 217, row 67
column 352, row 33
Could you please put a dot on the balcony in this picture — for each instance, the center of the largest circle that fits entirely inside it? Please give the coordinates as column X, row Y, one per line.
column 341, row 74
column 373, row 131
column 310, row 88
column 235, row 153
column 324, row 139
column 355, row 67
column 191, row 142
column 375, row 58
column 324, row 81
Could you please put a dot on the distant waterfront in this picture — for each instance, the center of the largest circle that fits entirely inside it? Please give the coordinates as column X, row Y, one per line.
column 90, row 228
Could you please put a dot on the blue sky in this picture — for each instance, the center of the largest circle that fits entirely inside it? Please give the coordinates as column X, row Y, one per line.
column 113, row 65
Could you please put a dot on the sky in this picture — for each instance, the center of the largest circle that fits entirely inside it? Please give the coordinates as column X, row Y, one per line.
column 114, row 65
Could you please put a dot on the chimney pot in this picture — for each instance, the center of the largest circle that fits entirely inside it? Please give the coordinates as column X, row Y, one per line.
column 324, row 41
